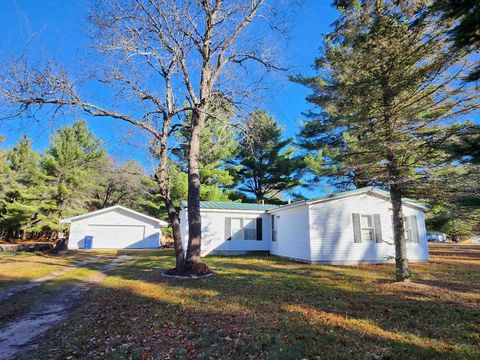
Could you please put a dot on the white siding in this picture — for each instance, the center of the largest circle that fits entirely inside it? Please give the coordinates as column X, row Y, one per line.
column 331, row 231
column 416, row 251
column 293, row 239
column 321, row 232
column 143, row 233
column 184, row 227
column 213, row 231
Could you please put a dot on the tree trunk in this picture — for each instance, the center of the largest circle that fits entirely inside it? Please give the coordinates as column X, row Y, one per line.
column 194, row 218
column 161, row 177
column 402, row 270
column 177, row 236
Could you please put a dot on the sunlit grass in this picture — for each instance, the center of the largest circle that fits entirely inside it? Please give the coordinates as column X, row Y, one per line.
column 23, row 301
column 19, row 267
column 269, row 308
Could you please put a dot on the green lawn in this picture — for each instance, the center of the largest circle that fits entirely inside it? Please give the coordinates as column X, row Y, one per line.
column 19, row 267
column 270, row 308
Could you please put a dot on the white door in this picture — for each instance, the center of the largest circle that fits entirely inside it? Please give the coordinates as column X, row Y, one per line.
column 116, row 236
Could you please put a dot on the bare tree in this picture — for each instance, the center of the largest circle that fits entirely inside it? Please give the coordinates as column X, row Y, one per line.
column 163, row 58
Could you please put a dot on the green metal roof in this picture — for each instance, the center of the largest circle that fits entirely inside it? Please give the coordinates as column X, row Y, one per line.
column 226, row 205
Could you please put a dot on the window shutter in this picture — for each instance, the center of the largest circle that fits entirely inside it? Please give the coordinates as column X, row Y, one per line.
column 228, row 228
column 259, row 229
column 414, row 225
column 378, row 228
column 357, row 232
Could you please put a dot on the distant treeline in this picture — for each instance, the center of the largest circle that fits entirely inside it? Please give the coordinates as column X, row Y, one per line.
column 76, row 175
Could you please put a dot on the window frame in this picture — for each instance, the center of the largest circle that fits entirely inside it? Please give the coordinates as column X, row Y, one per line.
column 407, row 229
column 372, row 228
column 232, row 232
column 274, row 229
column 254, row 229
column 243, row 221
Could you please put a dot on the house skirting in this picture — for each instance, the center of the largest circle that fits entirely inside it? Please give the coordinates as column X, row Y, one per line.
column 235, row 252
column 349, row 262
column 313, row 262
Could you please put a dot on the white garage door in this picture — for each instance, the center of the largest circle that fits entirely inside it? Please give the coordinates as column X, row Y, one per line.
column 116, row 236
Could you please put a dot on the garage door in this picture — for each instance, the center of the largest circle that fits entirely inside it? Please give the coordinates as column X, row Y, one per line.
column 117, row 236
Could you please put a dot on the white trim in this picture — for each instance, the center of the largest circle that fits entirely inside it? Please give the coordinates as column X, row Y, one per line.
column 372, row 221
column 288, row 206
column 231, row 211
column 111, row 208
column 368, row 191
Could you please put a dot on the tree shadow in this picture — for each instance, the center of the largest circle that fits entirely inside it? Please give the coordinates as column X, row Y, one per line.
column 272, row 290
column 255, row 308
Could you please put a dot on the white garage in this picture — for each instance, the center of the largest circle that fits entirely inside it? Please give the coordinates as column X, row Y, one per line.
column 116, row 227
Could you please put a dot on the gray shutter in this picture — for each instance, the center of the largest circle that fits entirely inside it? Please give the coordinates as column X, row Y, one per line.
column 357, row 231
column 259, row 229
column 228, row 228
column 414, row 225
column 378, row 228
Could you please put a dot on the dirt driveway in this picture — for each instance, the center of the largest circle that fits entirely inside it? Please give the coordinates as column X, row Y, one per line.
column 18, row 331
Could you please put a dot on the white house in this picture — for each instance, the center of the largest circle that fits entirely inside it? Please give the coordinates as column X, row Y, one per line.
column 116, row 227
column 343, row 228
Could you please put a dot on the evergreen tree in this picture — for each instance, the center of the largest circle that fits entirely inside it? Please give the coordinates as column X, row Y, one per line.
column 454, row 190
column 266, row 165
column 28, row 199
column 217, row 148
column 466, row 32
column 5, row 184
column 72, row 164
column 387, row 83
column 5, row 171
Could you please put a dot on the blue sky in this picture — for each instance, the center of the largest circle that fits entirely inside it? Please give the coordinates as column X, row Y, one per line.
column 56, row 29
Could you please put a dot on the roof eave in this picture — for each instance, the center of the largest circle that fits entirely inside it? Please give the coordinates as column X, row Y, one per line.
column 234, row 210
column 369, row 190
column 114, row 207
column 289, row 206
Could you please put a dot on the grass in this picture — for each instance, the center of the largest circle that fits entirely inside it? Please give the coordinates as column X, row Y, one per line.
column 271, row 308
column 24, row 267
column 20, row 267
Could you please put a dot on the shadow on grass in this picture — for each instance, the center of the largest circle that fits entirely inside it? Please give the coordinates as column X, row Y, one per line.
column 256, row 308
column 22, row 299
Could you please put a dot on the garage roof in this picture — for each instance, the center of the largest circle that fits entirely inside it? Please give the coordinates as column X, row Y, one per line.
column 111, row 208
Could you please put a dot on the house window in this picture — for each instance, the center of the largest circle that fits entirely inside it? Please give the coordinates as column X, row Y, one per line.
column 407, row 225
column 274, row 230
column 250, row 229
column 237, row 229
column 243, row 229
column 367, row 228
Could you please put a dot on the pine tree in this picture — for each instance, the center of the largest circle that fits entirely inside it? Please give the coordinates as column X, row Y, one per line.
column 217, row 148
column 5, row 171
column 266, row 165
column 387, row 83
column 454, row 190
column 72, row 164
column 466, row 31
column 28, row 199
column 5, row 185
